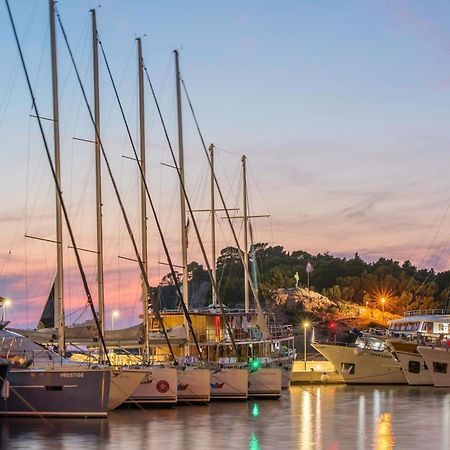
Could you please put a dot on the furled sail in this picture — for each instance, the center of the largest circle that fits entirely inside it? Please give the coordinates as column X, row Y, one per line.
column 47, row 319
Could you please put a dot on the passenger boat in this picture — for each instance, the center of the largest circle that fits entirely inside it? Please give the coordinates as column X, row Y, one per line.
column 367, row 361
column 437, row 360
column 417, row 327
column 407, row 333
column 412, row 362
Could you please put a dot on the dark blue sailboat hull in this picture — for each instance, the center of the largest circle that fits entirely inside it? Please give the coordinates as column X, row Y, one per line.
column 57, row 392
column 4, row 367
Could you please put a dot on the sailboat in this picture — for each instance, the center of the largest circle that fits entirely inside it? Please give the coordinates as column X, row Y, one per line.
column 120, row 382
column 218, row 337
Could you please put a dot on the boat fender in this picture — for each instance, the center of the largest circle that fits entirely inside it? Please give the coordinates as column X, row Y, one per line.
column 324, row 377
column 358, row 351
column 5, row 390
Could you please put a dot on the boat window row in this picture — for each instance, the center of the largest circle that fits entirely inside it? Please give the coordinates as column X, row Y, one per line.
column 405, row 326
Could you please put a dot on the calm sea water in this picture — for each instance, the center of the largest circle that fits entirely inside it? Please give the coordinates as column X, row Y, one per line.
column 328, row 417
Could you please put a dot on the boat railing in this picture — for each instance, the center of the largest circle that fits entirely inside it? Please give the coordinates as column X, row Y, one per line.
column 332, row 342
column 281, row 331
column 426, row 312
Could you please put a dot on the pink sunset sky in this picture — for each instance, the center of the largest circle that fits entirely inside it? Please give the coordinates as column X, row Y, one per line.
column 342, row 108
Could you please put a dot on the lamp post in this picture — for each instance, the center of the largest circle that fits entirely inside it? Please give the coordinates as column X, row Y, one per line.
column 305, row 327
column 6, row 303
column 383, row 301
column 114, row 315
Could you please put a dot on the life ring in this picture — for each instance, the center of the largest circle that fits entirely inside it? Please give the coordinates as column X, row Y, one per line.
column 162, row 386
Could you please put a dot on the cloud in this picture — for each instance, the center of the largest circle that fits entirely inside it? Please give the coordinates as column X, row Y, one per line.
column 365, row 206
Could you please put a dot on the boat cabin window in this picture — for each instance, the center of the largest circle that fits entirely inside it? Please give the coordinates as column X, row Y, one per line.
column 427, row 327
column 439, row 367
column 348, row 368
column 414, row 367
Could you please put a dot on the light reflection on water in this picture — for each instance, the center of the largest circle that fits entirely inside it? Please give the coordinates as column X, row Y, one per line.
column 327, row 417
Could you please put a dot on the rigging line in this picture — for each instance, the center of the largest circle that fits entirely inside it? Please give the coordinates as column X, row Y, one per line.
column 219, row 190
column 229, row 152
column 443, row 246
column 13, row 76
column 55, row 178
column 255, row 182
column 152, row 118
column 444, row 212
column 23, row 214
column 44, row 46
column 83, row 34
column 113, row 182
column 237, row 171
column 441, row 265
column 155, row 216
column 194, row 222
column 121, row 78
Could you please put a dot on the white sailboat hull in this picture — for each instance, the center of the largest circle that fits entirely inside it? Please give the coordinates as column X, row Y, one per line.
column 438, row 363
column 265, row 382
column 229, row 384
column 123, row 383
column 158, row 386
column 363, row 366
column 194, row 385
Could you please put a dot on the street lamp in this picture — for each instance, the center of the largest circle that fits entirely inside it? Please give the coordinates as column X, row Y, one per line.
column 6, row 303
column 383, row 301
column 305, row 327
column 114, row 315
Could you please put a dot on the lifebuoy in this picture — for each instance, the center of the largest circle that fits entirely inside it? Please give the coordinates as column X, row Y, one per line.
column 162, row 386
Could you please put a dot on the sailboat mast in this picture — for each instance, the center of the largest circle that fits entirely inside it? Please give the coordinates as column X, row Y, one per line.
column 59, row 280
column 144, row 255
column 98, row 178
column 182, row 183
column 245, row 207
column 213, row 224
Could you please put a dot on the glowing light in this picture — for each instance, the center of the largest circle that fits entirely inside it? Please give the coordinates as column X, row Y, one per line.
column 306, row 324
column 255, row 364
column 7, row 302
column 384, row 436
column 255, row 410
column 114, row 315
column 254, row 443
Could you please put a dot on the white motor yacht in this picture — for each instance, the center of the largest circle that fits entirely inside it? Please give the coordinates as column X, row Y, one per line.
column 367, row 361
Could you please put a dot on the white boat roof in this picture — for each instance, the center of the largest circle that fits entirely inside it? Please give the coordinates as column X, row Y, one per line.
column 425, row 318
